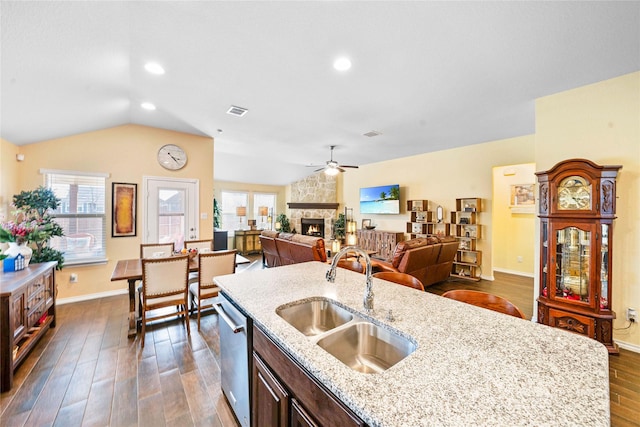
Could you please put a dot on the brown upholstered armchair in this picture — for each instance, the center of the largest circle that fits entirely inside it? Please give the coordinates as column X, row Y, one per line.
column 427, row 259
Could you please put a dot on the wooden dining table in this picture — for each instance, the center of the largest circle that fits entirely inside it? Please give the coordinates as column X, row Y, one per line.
column 131, row 271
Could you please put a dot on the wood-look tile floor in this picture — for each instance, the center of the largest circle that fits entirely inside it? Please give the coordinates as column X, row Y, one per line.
column 86, row 371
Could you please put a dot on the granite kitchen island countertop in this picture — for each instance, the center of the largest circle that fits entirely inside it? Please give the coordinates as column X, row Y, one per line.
column 472, row 366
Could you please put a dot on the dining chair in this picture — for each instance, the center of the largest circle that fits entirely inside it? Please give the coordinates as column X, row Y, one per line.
column 401, row 279
column 351, row 264
column 485, row 300
column 206, row 244
column 164, row 284
column 210, row 265
column 149, row 250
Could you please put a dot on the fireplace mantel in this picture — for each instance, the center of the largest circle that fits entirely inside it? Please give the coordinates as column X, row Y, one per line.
column 293, row 205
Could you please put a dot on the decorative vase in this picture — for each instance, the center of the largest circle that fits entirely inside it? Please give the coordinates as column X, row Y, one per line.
column 22, row 248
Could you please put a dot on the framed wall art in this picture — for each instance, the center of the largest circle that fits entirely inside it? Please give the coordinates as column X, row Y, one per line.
column 124, row 205
column 522, row 198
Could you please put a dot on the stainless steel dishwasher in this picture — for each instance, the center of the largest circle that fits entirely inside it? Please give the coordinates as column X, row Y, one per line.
column 234, row 358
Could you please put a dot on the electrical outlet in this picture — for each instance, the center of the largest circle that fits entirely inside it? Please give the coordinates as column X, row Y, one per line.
column 73, row 278
column 519, row 259
column 632, row 315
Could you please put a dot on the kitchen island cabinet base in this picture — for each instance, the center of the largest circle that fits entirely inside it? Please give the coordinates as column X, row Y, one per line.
column 302, row 396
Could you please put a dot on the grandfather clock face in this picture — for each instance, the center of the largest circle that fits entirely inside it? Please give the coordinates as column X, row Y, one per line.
column 574, row 193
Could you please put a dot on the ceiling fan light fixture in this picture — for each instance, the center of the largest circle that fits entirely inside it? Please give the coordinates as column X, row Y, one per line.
column 154, row 68
column 331, row 171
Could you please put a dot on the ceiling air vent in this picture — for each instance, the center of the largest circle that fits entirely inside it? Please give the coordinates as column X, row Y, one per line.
column 237, row 111
column 372, row 133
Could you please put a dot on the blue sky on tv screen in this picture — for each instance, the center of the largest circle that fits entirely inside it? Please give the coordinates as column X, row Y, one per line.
column 373, row 193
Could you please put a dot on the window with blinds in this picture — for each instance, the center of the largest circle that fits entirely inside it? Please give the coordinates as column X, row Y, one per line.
column 231, row 200
column 81, row 215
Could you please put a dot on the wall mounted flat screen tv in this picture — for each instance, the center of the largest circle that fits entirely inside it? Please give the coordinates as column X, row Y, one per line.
column 384, row 199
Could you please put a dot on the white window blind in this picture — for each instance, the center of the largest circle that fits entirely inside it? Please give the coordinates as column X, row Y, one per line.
column 264, row 200
column 81, row 215
column 230, row 201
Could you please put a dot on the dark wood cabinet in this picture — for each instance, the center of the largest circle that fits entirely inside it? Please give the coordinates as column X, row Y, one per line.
column 284, row 394
column 220, row 240
column 27, row 311
column 576, row 211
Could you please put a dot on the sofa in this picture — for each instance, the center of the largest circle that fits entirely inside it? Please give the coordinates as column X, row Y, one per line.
column 288, row 248
column 428, row 259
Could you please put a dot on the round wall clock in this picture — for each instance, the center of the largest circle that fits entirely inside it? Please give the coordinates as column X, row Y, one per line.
column 172, row 157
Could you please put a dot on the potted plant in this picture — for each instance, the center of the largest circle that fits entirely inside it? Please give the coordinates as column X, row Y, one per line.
column 284, row 223
column 339, row 227
column 33, row 226
column 217, row 215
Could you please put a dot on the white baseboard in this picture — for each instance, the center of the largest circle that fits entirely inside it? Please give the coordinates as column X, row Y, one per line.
column 628, row 346
column 517, row 273
column 61, row 301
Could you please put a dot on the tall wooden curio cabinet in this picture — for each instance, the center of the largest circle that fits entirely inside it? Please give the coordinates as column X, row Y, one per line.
column 577, row 209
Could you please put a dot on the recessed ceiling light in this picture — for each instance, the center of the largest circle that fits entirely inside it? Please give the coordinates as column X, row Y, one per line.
column 342, row 64
column 154, row 68
column 148, row 106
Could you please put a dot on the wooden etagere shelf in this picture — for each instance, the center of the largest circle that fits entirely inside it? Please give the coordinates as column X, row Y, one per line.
column 423, row 221
column 464, row 221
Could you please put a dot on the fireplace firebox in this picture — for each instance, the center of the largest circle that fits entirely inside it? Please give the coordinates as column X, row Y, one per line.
column 313, row 227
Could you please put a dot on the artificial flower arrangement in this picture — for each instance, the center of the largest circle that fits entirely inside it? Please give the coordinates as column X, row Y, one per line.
column 19, row 231
column 33, row 225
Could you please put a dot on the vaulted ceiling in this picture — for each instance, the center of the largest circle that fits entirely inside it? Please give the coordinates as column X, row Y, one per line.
column 426, row 75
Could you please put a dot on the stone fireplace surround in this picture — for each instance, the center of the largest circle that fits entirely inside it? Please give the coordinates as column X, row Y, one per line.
column 314, row 197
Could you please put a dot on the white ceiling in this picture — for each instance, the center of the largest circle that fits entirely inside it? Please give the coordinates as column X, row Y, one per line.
column 428, row 75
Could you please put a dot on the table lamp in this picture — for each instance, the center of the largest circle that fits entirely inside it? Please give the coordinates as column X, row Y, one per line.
column 241, row 211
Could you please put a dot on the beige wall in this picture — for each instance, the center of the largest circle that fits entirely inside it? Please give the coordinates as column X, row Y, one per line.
column 601, row 122
column 8, row 177
column 513, row 227
column 441, row 177
column 126, row 153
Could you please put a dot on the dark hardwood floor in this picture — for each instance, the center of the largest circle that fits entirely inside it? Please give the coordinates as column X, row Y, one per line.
column 86, row 372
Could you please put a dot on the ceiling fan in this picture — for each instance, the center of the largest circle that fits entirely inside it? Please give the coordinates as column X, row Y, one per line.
column 332, row 167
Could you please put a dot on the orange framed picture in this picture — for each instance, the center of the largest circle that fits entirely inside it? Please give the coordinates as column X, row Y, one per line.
column 124, row 202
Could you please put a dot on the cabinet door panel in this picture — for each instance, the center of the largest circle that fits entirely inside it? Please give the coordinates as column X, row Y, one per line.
column 19, row 314
column 270, row 399
column 299, row 417
column 573, row 276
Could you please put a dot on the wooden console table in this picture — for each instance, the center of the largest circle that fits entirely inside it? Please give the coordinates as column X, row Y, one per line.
column 27, row 311
column 383, row 243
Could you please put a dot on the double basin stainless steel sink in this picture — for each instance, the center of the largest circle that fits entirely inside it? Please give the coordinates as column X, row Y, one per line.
column 360, row 344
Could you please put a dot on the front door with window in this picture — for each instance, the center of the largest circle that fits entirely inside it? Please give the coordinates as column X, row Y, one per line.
column 171, row 210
